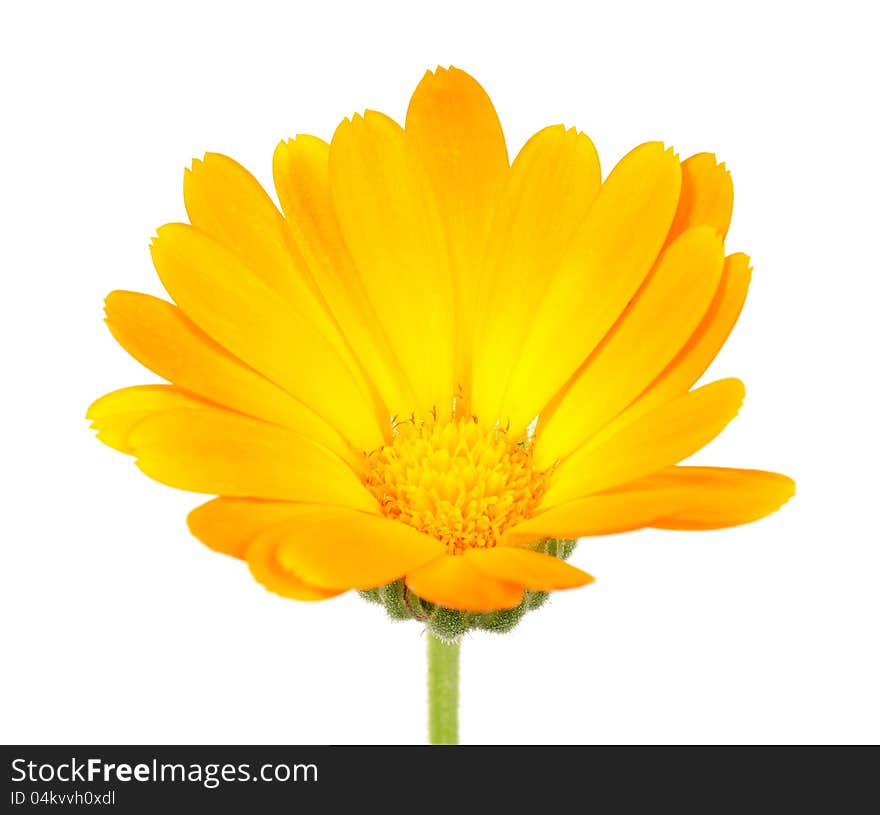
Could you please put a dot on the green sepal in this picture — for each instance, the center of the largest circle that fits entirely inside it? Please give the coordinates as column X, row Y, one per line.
column 502, row 621
column 557, row 548
column 394, row 599
column 419, row 609
column 536, row 599
column 450, row 625
column 371, row 595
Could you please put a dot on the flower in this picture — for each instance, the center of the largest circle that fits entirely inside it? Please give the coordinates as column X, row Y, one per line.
column 434, row 361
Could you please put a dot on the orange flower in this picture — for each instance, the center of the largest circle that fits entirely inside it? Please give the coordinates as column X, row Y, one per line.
column 433, row 360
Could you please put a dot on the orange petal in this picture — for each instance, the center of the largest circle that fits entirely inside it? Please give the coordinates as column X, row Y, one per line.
column 351, row 550
column 455, row 582
column 552, row 184
column 158, row 335
column 699, row 351
column 215, row 451
column 722, row 497
column 611, row 255
column 657, row 440
column 455, row 132
column 523, row 567
column 631, row 506
column 649, row 334
column 706, row 196
column 229, row 525
column 674, row 498
column 116, row 414
column 267, row 568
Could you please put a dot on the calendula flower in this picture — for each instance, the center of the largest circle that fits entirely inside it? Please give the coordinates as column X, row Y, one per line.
column 432, row 368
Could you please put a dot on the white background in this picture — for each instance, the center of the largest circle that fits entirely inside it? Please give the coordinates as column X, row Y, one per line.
column 119, row 627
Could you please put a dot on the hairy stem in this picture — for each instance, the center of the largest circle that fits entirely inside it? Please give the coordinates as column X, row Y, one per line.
column 443, row 658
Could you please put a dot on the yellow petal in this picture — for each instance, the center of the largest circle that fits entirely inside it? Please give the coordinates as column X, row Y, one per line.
column 657, row 440
column 229, row 525
column 227, row 203
column 391, row 225
column 115, row 414
column 654, row 327
column 699, row 351
column 455, row 132
column 610, row 257
column 301, row 168
column 215, row 451
column 351, row 550
column 455, row 582
column 267, row 568
column 706, row 196
column 159, row 336
column 523, row 567
column 722, row 497
column 240, row 312
column 553, row 182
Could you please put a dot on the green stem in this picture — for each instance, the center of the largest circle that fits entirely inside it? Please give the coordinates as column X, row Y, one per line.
column 442, row 690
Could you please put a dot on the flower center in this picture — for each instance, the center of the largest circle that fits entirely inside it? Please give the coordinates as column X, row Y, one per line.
column 457, row 481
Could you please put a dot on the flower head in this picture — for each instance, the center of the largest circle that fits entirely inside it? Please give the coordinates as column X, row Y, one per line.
column 430, row 362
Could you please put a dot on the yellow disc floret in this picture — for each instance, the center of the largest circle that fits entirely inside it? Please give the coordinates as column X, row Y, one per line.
column 458, row 481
